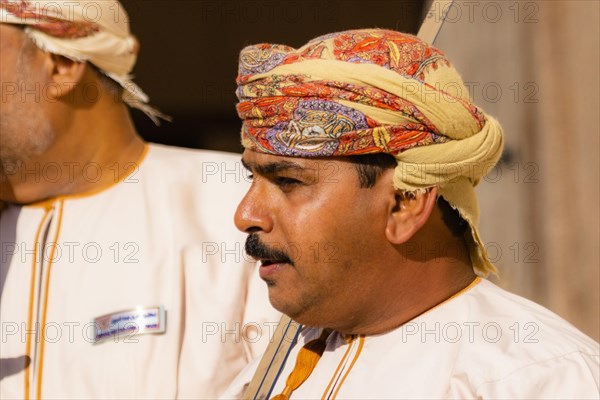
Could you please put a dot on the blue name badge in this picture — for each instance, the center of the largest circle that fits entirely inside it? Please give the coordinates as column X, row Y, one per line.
column 125, row 324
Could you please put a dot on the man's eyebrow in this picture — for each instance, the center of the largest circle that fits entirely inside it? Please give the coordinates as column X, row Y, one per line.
column 272, row 167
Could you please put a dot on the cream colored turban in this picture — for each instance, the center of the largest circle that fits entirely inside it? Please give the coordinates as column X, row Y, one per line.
column 84, row 30
column 373, row 91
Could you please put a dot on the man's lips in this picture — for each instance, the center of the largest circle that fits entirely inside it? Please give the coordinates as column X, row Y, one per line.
column 270, row 267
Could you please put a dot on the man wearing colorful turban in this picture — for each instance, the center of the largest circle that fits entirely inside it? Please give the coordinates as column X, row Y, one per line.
column 365, row 150
column 121, row 274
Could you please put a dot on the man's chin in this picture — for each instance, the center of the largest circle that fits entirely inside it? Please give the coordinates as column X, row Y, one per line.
column 282, row 303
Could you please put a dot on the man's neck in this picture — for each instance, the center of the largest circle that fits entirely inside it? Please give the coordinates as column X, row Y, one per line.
column 411, row 305
column 407, row 288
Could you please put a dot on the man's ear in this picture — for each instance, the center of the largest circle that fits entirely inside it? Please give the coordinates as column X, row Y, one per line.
column 410, row 213
column 65, row 75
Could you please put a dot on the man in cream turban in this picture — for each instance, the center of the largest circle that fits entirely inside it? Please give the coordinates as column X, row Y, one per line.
column 122, row 273
column 365, row 150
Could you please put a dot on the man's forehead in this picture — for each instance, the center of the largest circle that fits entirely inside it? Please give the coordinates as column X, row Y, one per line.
column 272, row 163
column 252, row 158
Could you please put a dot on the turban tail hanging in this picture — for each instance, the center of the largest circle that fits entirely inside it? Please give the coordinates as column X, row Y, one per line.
column 373, row 91
column 94, row 31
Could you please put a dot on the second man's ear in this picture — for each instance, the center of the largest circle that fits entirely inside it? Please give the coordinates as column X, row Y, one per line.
column 411, row 212
column 65, row 75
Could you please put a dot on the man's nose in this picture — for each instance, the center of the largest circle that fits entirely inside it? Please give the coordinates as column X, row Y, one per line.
column 254, row 213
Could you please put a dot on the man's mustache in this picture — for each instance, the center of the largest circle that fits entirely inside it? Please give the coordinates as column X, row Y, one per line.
column 260, row 251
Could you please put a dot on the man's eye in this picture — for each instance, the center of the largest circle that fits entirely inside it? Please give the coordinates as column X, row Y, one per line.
column 250, row 176
column 283, row 181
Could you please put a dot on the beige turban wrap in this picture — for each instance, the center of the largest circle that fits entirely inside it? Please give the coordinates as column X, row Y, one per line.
column 84, row 30
column 373, row 91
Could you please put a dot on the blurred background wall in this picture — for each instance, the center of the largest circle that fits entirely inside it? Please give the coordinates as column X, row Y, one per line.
column 533, row 64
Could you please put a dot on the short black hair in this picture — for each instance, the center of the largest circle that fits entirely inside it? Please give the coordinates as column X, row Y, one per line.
column 371, row 166
column 451, row 217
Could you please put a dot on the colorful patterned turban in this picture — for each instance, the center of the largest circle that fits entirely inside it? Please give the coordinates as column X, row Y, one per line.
column 373, row 91
column 84, row 30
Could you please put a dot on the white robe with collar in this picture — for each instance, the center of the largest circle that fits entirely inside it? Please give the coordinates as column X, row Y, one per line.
column 164, row 236
column 484, row 343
